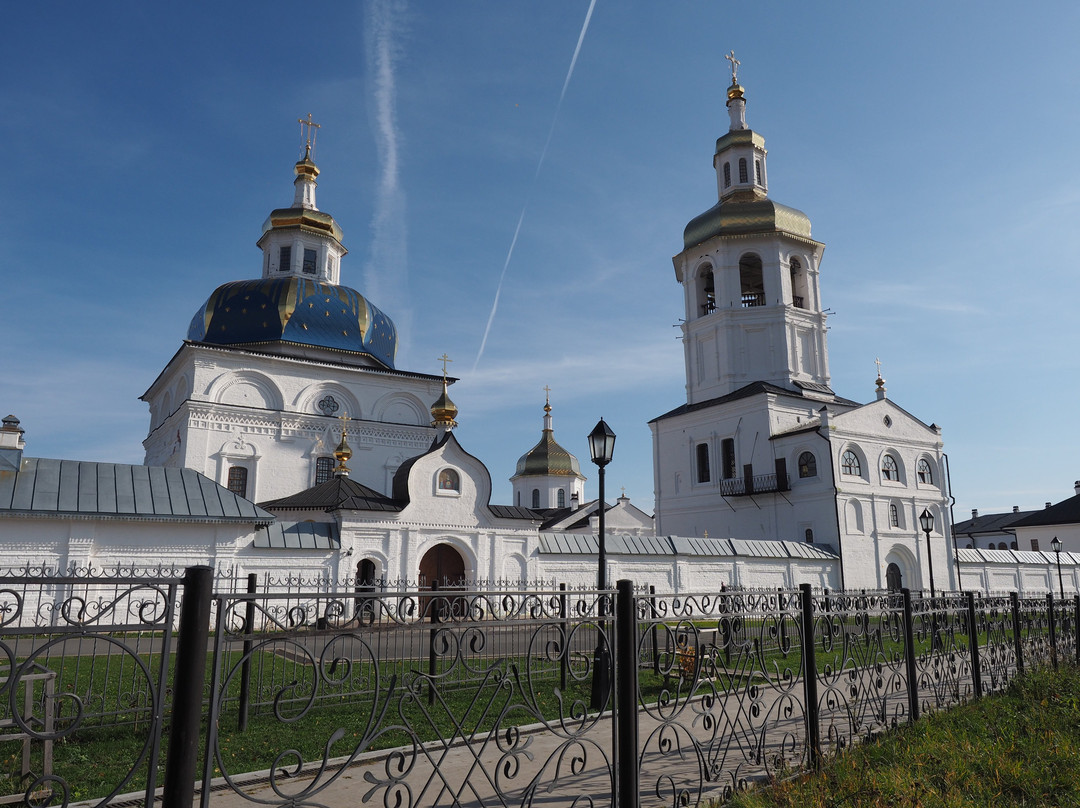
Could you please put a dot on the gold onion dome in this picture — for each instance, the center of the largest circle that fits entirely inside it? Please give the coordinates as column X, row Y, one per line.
column 547, row 458
column 342, row 454
column 735, row 91
column 444, row 411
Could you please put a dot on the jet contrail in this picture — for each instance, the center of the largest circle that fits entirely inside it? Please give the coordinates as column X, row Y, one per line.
column 539, row 163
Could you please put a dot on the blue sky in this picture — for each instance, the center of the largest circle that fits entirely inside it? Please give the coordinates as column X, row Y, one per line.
column 932, row 145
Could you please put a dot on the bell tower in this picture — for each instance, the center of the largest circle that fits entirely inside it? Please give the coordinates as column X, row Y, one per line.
column 749, row 271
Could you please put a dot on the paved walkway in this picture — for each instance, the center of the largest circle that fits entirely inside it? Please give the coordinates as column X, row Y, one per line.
column 552, row 768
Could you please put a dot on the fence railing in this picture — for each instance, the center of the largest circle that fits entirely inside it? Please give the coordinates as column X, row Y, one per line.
column 465, row 697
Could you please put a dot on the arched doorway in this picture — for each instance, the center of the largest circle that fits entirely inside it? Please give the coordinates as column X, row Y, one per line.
column 365, row 605
column 893, row 578
column 442, row 564
column 442, row 568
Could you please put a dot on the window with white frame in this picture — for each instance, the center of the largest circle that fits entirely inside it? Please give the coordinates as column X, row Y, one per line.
column 924, row 473
column 889, row 469
column 850, row 465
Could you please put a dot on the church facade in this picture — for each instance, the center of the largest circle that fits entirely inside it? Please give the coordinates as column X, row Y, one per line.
column 763, row 448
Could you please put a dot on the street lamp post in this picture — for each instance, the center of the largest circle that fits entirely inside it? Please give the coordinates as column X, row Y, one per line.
column 1056, row 544
column 601, row 448
column 926, row 520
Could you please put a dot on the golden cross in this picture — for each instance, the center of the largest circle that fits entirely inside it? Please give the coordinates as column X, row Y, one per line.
column 734, row 67
column 344, row 424
column 311, row 127
column 547, row 394
column 878, row 363
column 444, row 359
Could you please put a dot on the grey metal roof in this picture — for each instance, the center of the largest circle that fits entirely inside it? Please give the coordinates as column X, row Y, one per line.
column 625, row 544
column 298, row 536
column 1040, row 558
column 337, row 493
column 78, row 487
column 754, row 388
column 1066, row 512
column 995, row 523
column 514, row 512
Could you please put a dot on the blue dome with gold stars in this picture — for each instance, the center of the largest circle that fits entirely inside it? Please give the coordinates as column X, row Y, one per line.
column 296, row 310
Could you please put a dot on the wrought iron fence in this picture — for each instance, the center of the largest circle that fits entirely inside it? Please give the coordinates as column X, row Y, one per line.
column 463, row 697
column 481, row 698
column 85, row 664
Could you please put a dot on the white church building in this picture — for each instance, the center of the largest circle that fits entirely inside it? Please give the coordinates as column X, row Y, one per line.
column 763, row 448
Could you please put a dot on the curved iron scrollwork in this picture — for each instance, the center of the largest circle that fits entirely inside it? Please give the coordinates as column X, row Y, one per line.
column 82, row 661
column 723, row 704
column 500, row 679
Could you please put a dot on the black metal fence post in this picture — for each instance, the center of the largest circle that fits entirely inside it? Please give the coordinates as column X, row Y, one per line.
column 187, row 706
column 1053, row 629
column 564, row 629
column 626, row 693
column 652, row 630
column 436, row 618
column 1018, row 644
column 245, row 666
column 813, row 728
column 973, row 644
column 909, row 657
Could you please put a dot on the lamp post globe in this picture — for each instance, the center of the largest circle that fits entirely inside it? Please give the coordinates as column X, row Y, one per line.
column 1056, row 544
column 601, row 449
column 926, row 521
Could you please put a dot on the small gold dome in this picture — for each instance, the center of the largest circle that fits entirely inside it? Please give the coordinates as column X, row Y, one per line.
column 444, row 411
column 342, row 453
column 735, row 91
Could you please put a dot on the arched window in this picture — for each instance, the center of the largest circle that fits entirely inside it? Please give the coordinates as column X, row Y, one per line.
column 703, row 472
column 1001, row 546
column 727, row 174
column 751, row 281
column 449, row 480
column 894, row 515
column 807, row 465
column 849, row 464
column 238, row 479
column 706, row 290
column 889, row 469
column 742, row 170
column 324, row 469
column 798, row 284
column 925, row 474
column 757, row 172
column 536, row 498
column 809, row 535
column 562, row 497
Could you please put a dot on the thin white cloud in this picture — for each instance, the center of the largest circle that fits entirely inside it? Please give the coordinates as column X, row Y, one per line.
column 386, row 273
column 536, row 174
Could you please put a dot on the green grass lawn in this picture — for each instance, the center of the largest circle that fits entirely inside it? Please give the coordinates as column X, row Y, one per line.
column 1021, row 747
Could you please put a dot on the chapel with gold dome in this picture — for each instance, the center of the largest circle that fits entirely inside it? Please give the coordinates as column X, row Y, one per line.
column 270, row 365
column 548, row 476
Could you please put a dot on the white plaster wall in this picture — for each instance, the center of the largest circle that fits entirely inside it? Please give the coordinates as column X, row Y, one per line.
column 270, row 402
